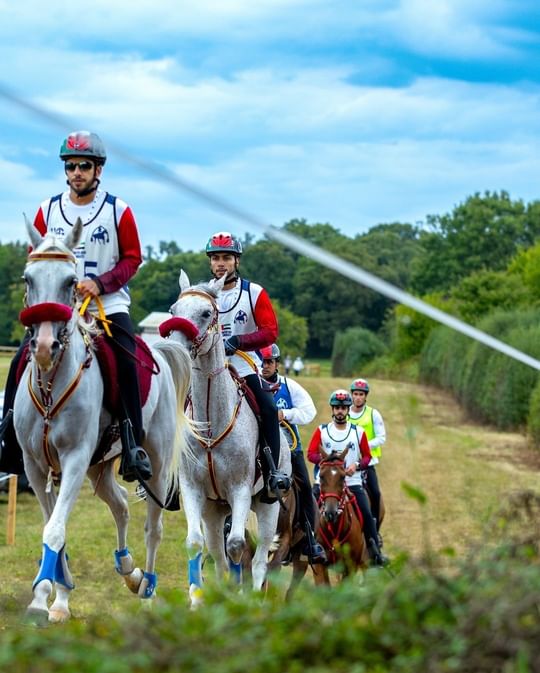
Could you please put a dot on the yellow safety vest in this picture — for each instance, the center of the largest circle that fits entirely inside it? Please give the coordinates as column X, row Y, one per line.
column 365, row 420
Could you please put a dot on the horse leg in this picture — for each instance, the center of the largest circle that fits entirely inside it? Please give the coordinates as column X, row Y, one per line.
column 103, row 479
column 53, row 567
column 267, row 518
column 192, row 501
column 214, row 520
column 299, row 572
column 236, row 542
column 153, row 534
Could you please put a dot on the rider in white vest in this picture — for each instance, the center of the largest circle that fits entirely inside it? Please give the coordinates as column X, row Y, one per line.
column 107, row 258
column 337, row 436
column 373, row 425
column 295, row 407
column 248, row 323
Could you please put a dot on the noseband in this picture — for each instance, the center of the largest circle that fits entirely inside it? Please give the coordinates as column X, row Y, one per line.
column 198, row 340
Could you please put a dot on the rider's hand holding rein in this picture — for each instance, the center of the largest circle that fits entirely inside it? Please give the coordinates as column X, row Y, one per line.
column 88, row 288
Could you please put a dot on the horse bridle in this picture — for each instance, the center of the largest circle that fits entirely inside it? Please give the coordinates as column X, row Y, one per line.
column 212, row 327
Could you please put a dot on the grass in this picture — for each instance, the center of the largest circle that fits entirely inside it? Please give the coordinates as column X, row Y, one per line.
column 464, row 471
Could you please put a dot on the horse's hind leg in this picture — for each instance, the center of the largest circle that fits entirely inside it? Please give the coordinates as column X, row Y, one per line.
column 115, row 496
column 267, row 518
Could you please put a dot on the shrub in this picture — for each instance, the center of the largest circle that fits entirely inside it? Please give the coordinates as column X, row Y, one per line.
column 353, row 348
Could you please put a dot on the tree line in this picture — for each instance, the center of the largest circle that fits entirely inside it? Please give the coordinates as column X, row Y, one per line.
column 479, row 257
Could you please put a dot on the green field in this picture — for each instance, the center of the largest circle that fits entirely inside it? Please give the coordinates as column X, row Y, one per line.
column 464, row 470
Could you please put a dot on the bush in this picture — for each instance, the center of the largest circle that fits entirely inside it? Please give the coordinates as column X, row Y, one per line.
column 353, row 348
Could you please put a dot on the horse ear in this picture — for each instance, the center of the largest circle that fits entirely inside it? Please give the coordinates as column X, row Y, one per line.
column 33, row 233
column 183, row 281
column 72, row 239
column 217, row 285
column 323, row 453
column 344, row 453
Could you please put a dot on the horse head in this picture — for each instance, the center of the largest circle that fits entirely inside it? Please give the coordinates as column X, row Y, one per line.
column 195, row 321
column 332, row 477
column 51, row 280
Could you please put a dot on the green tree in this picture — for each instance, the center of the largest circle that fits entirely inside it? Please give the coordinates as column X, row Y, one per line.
column 483, row 233
column 12, row 261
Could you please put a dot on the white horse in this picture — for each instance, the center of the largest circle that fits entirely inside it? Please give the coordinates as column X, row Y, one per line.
column 59, row 421
column 219, row 476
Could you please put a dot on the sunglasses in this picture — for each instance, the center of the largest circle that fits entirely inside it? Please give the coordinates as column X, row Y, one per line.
column 81, row 165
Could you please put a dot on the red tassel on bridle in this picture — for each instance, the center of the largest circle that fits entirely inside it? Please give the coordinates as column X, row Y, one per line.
column 48, row 311
column 179, row 325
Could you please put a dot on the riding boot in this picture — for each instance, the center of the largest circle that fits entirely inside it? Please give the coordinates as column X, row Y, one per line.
column 11, row 459
column 312, row 549
column 135, row 463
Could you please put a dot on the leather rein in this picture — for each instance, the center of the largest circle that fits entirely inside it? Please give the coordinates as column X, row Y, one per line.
column 209, row 442
column 46, row 406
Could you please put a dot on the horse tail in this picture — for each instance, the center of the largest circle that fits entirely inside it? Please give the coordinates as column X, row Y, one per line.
column 179, row 361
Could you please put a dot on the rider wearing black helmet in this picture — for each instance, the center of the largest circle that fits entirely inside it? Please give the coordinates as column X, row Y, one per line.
column 107, row 258
column 248, row 323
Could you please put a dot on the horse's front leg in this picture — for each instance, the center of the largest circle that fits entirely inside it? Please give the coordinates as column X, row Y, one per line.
column 267, row 518
column 54, row 567
column 213, row 523
column 236, row 542
column 192, row 501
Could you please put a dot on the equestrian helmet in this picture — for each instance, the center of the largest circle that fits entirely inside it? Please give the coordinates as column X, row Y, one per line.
column 84, row 144
column 223, row 241
column 270, row 352
column 340, row 397
column 360, row 384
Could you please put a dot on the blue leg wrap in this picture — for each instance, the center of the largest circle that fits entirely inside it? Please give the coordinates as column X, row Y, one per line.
column 236, row 571
column 194, row 570
column 48, row 565
column 119, row 554
column 62, row 574
column 152, row 584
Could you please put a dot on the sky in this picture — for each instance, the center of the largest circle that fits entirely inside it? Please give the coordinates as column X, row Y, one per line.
column 351, row 112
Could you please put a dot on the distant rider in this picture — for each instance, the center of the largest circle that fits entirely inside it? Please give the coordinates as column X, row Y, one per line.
column 338, row 435
column 295, row 407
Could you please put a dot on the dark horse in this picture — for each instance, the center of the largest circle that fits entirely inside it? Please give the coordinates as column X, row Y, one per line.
column 340, row 529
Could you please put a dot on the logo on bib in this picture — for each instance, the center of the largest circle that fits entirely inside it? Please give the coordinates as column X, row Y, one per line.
column 241, row 317
column 100, row 235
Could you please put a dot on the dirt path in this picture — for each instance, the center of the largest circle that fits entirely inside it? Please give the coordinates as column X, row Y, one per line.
column 464, row 470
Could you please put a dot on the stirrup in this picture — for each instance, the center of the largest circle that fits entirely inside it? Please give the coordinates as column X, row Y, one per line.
column 278, row 481
column 135, row 464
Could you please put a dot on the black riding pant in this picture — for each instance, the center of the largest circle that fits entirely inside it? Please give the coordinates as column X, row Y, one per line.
column 374, row 492
column 123, row 344
column 269, row 416
column 370, row 530
column 300, row 472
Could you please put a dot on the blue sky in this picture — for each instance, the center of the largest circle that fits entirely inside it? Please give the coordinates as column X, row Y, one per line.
column 349, row 112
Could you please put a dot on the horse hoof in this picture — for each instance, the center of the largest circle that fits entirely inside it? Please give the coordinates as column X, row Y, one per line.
column 59, row 616
column 133, row 580
column 36, row 617
column 195, row 596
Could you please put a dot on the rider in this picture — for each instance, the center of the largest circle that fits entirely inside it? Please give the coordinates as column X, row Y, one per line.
column 107, row 258
column 337, row 436
column 295, row 407
column 248, row 322
column 373, row 425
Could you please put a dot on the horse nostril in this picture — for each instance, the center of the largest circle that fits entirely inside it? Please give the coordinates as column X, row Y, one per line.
column 56, row 345
column 32, row 343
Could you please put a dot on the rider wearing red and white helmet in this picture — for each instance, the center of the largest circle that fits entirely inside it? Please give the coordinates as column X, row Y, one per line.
column 341, row 434
column 248, row 323
column 295, row 407
column 373, row 425
column 108, row 256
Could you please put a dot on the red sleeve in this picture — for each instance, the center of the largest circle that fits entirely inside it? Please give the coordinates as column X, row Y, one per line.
column 267, row 324
column 130, row 255
column 313, row 452
column 365, row 451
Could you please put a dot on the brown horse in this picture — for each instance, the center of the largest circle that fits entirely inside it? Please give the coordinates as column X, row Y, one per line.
column 340, row 530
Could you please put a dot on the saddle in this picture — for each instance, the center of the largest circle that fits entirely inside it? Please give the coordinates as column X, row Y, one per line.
column 109, row 371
